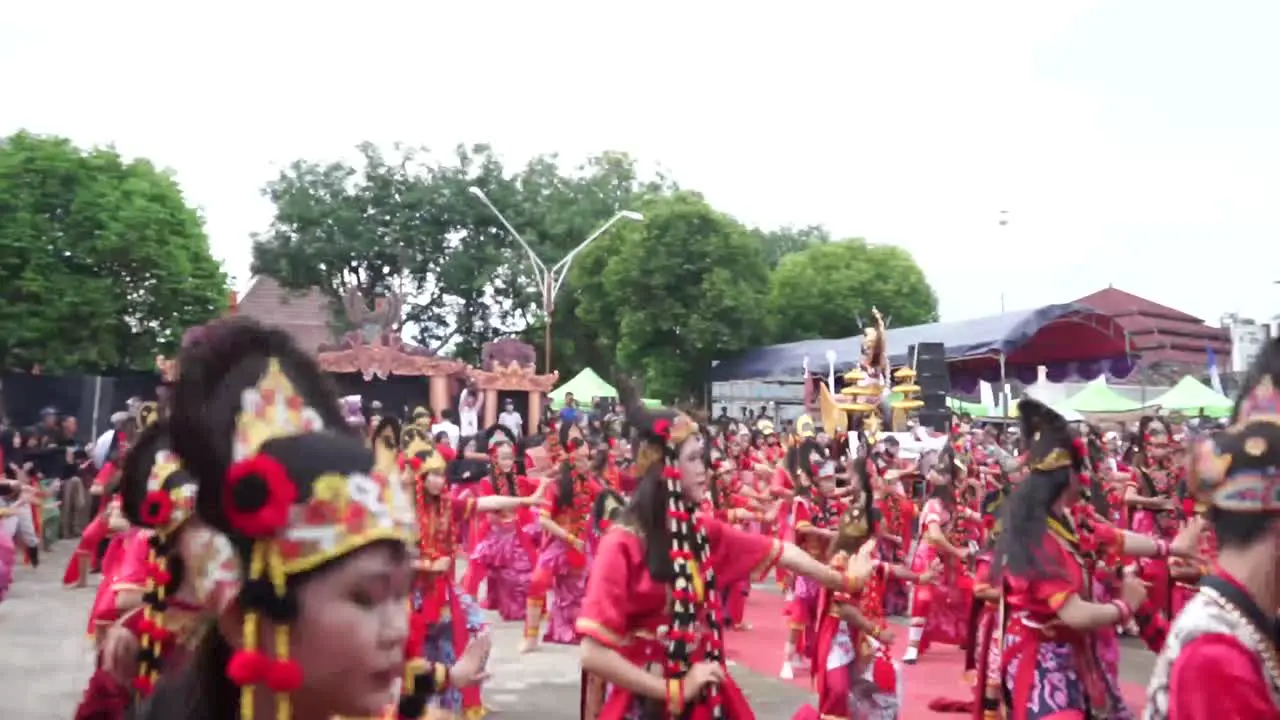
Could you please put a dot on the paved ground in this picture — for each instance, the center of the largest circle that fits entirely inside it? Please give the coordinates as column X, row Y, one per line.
column 46, row 658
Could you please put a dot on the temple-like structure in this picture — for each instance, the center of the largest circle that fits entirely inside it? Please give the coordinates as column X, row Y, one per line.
column 374, row 350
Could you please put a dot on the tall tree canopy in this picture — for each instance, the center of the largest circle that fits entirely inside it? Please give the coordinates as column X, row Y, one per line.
column 674, row 293
column 784, row 241
column 408, row 224
column 103, row 264
column 818, row 291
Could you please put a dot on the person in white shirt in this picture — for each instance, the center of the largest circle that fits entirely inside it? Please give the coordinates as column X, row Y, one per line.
column 469, row 406
column 511, row 419
column 447, row 426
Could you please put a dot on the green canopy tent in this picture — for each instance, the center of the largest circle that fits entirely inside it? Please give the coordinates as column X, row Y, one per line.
column 972, row 408
column 1100, row 398
column 1190, row 396
column 584, row 386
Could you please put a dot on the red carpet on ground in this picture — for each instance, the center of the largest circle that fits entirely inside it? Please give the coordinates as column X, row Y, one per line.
column 940, row 672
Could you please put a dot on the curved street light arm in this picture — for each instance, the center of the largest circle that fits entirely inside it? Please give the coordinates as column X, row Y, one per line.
column 540, row 273
column 560, row 270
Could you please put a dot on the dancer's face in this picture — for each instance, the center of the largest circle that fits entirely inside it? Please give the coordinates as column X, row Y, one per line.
column 693, row 471
column 349, row 635
column 435, row 482
column 582, row 456
column 506, row 458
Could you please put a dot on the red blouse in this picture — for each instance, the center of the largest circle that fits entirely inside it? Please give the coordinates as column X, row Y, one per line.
column 1219, row 661
column 623, row 603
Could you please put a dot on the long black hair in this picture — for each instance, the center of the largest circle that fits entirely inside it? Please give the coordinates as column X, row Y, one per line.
column 1030, row 505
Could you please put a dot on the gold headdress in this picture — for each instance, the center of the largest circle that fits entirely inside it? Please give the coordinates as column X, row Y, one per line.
column 421, row 456
column 804, row 427
column 1050, row 445
column 148, row 414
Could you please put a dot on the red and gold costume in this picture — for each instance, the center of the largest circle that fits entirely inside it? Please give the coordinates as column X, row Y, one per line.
column 505, row 553
column 562, row 561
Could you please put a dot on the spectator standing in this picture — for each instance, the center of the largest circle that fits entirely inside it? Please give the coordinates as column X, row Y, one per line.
column 510, row 419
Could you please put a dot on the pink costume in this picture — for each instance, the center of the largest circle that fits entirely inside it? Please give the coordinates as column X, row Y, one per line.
column 939, row 610
column 506, row 554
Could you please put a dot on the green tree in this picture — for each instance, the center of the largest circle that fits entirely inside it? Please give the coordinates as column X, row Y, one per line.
column 103, row 265
column 404, row 223
column 398, row 224
column 674, row 293
column 784, row 241
column 819, row 291
column 555, row 211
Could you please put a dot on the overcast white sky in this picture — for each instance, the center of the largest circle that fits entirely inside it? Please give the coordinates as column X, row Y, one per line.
column 1133, row 142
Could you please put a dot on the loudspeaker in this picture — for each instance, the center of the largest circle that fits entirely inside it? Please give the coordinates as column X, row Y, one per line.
column 933, row 400
column 931, row 369
column 938, row 421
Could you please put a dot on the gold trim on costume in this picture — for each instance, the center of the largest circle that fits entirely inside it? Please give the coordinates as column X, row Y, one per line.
column 770, row 560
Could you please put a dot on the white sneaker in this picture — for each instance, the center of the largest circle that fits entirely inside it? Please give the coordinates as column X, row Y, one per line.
column 912, row 654
column 787, row 672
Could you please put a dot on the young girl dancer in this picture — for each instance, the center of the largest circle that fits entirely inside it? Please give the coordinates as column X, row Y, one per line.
column 651, row 621
column 562, row 561
column 307, row 576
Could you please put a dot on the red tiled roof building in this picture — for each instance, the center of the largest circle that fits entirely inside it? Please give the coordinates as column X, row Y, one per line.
column 1160, row 333
column 304, row 315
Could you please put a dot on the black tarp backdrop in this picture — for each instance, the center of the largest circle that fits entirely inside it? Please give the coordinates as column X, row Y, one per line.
column 91, row 399
column 398, row 394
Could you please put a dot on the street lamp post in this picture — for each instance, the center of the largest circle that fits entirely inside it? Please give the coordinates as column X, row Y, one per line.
column 551, row 279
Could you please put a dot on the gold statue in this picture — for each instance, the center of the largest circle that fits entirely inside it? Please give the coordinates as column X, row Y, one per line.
column 875, row 356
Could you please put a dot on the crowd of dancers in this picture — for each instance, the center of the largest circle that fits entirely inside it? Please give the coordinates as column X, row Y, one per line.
column 268, row 559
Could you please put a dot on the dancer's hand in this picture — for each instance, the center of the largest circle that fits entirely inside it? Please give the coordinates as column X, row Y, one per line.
column 885, row 637
column 1133, row 591
column 470, row 668
column 1187, row 542
column 699, row 676
column 120, row 654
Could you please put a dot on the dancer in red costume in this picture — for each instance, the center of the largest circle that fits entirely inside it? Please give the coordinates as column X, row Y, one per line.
column 562, row 560
column 940, row 609
column 1044, row 561
column 1219, row 661
column 108, row 522
column 652, row 598
column 505, row 553
column 730, row 502
column 135, row 646
column 817, row 513
column 1149, row 497
column 854, row 675
column 443, row 618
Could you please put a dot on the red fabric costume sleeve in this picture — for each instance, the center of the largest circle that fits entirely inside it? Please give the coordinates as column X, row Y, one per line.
column 603, row 617
column 462, row 508
column 804, row 515
column 548, row 508
column 1218, row 661
column 737, row 556
column 526, row 486
column 108, row 469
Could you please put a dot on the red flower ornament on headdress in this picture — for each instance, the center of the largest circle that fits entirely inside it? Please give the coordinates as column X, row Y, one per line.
column 258, row 495
column 157, row 508
column 662, row 428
